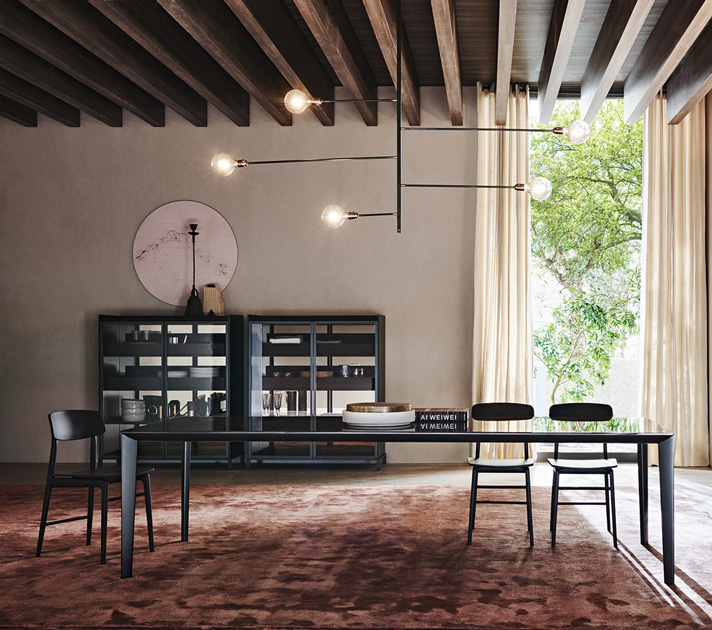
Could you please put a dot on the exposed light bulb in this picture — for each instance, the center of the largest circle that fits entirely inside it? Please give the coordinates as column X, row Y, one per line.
column 577, row 132
column 334, row 216
column 296, row 101
column 539, row 188
column 223, row 164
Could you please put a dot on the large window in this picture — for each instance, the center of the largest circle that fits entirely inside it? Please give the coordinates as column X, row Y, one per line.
column 586, row 262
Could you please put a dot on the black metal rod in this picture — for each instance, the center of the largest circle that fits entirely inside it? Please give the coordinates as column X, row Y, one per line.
column 478, row 129
column 399, row 116
column 454, row 186
column 329, row 159
column 377, row 214
column 360, row 100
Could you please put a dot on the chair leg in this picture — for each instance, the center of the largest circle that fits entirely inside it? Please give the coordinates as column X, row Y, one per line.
column 554, row 506
column 90, row 513
column 149, row 515
column 551, row 512
column 613, row 511
column 104, row 518
column 43, row 520
column 530, row 520
column 607, row 490
column 473, row 505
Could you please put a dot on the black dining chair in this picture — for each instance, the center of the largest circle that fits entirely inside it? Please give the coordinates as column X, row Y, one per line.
column 82, row 425
column 500, row 412
column 583, row 413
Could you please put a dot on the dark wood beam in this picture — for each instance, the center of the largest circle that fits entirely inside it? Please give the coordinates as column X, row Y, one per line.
column 30, row 96
column 217, row 30
column 333, row 32
column 691, row 80
column 678, row 27
column 620, row 29
column 444, row 18
column 28, row 66
column 273, row 27
column 32, row 32
column 17, row 113
column 85, row 25
column 565, row 19
column 505, row 49
column 383, row 21
column 148, row 24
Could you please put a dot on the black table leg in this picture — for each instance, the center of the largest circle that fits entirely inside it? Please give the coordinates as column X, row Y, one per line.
column 643, row 491
column 129, row 453
column 185, row 492
column 666, row 453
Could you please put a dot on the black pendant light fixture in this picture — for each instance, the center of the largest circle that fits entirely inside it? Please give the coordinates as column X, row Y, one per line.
column 194, row 307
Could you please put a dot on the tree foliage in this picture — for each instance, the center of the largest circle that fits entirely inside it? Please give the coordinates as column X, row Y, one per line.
column 586, row 238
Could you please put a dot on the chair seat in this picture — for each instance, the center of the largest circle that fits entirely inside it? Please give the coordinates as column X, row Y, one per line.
column 583, row 465
column 110, row 474
column 501, row 465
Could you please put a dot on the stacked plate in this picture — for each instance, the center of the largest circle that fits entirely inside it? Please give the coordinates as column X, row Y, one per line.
column 204, row 372
column 379, row 416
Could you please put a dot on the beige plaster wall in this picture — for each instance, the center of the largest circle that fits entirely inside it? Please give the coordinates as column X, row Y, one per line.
column 71, row 201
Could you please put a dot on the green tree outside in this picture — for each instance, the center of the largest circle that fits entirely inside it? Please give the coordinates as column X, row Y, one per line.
column 586, row 244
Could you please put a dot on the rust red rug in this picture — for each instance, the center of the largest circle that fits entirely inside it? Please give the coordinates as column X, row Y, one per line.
column 373, row 557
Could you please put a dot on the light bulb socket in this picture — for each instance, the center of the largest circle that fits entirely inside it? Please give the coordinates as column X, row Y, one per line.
column 520, row 187
column 352, row 215
column 559, row 131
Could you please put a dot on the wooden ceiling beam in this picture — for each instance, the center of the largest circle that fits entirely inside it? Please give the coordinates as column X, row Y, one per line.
column 30, row 96
column 505, row 50
column 28, row 66
column 149, row 25
column 32, row 32
column 333, row 32
column 446, row 32
column 18, row 113
column 217, row 30
column 691, row 80
column 383, row 21
column 565, row 19
column 677, row 29
column 619, row 31
column 275, row 30
column 89, row 28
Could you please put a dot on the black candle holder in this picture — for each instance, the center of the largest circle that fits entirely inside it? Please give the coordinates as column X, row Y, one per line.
column 194, row 307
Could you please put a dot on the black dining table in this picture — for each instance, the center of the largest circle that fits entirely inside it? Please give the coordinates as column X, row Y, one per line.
column 332, row 429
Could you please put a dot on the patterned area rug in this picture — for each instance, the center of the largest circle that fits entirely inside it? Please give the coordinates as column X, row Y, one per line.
column 370, row 557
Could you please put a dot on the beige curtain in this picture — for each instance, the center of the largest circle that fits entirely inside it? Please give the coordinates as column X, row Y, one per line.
column 674, row 296
column 502, row 347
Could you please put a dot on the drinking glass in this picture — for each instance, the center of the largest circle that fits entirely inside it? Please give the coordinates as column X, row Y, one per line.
column 266, row 403
column 277, row 402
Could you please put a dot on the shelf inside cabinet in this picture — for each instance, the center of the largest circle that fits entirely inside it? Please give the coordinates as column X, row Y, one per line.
column 134, row 349
column 192, row 384
column 322, row 349
column 196, row 349
column 136, row 383
column 328, row 383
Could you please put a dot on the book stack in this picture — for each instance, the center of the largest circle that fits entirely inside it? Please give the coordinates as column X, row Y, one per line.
column 442, row 420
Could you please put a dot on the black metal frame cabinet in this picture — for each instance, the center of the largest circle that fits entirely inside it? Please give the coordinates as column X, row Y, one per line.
column 178, row 366
column 313, row 365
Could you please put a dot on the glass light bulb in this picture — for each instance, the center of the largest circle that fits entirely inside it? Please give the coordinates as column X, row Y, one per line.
column 539, row 188
column 577, row 132
column 334, row 216
column 223, row 164
column 296, row 101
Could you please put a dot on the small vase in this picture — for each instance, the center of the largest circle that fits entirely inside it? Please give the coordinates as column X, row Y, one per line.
column 212, row 300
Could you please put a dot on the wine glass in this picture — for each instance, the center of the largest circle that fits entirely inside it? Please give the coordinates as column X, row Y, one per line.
column 277, row 402
column 266, row 403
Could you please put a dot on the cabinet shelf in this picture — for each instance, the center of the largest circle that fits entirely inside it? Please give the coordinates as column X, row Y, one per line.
column 322, row 349
column 325, row 383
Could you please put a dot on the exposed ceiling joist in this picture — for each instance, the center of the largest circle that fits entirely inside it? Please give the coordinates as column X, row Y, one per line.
column 28, row 66
column 33, row 97
column 41, row 38
column 446, row 31
column 336, row 38
column 692, row 78
column 505, row 50
column 564, row 23
column 677, row 29
column 620, row 29
column 217, row 30
column 88, row 27
column 157, row 32
column 12, row 110
column 276, row 31
column 383, row 21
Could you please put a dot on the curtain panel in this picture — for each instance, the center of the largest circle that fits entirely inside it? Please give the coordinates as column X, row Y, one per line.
column 674, row 322
column 502, row 342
